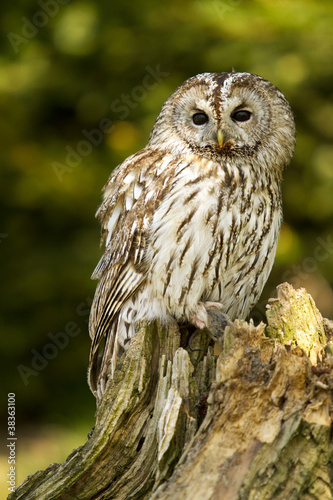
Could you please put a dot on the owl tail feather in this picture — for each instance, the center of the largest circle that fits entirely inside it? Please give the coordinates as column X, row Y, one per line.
column 103, row 360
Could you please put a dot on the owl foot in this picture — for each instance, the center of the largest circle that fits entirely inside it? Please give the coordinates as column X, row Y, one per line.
column 209, row 316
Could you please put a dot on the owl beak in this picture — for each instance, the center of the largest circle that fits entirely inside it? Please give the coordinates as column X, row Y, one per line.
column 220, row 137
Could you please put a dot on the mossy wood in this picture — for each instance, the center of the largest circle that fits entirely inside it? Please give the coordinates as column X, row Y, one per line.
column 252, row 421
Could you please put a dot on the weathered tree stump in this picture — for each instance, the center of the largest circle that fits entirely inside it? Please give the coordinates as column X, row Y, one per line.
column 252, row 422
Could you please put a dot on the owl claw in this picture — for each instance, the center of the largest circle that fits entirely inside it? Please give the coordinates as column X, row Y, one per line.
column 209, row 316
column 217, row 323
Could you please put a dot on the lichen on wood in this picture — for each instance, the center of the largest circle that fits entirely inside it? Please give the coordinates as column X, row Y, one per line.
column 293, row 317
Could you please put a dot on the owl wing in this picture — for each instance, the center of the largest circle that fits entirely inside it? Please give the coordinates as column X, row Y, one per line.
column 131, row 197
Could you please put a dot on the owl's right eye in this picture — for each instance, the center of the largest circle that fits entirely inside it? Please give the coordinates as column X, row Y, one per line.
column 199, row 118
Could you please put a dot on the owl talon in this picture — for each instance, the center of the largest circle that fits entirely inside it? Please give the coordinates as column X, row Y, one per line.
column 209, row 316
column 217, row 323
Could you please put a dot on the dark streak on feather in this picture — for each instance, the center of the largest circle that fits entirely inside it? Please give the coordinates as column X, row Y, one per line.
column 194, row 269
column 182, row 255
column 191, row 196
column 183, row 223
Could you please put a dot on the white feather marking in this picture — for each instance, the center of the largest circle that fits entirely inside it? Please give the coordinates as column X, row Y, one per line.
column 162, row 166
column 129, row 178
column 137, row 191
column 142, row 176
column 149, row 195
column 113, row 222
column 146, row 221
column 128, row 202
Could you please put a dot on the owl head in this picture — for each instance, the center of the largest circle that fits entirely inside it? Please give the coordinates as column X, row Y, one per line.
column 224, row 116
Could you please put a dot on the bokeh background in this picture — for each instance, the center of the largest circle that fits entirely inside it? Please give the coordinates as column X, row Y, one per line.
column 81, row 83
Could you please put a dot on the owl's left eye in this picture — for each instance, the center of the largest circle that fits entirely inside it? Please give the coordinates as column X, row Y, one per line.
column 199, row 118
column 242, row 115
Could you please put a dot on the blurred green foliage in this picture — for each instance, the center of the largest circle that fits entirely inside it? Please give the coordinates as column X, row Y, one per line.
column 69, row 69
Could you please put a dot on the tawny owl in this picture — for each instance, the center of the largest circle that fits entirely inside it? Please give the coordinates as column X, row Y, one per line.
column 192, row 221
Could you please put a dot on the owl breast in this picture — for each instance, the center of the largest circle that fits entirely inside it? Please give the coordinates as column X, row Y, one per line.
column 213, row 238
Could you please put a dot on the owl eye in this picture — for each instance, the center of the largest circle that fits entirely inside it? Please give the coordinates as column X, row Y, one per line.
column 241, row 115
column 199, row 118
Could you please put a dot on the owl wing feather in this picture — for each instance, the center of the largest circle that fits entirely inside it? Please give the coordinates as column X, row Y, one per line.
column 131, row 197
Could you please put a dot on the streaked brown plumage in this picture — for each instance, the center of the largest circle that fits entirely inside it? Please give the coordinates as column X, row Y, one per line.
column 193, row 218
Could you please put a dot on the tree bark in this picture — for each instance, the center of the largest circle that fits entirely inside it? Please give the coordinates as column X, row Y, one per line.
column 249, row 419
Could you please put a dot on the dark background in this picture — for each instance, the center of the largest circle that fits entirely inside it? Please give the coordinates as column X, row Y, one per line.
column 81, row 84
